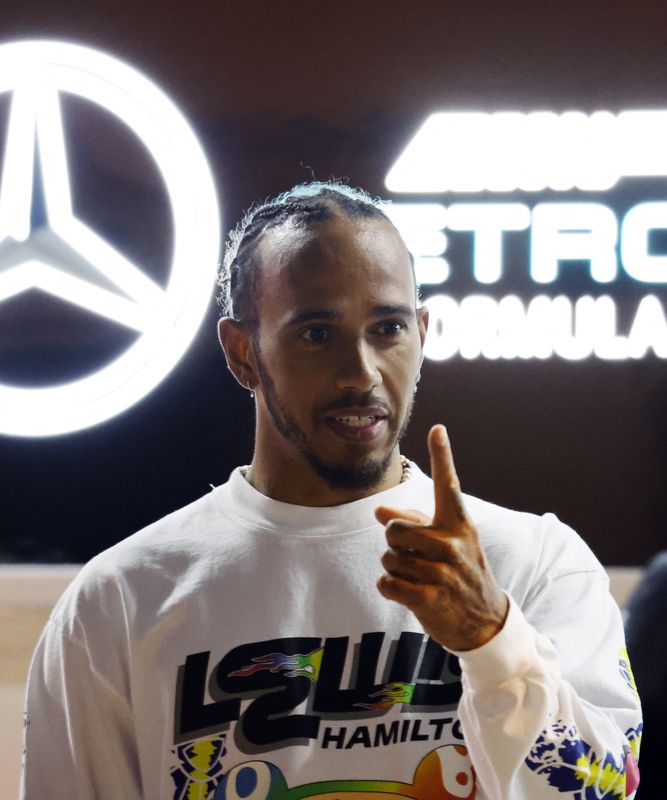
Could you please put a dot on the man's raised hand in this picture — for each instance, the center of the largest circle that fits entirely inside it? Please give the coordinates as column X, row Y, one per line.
column 437, row 567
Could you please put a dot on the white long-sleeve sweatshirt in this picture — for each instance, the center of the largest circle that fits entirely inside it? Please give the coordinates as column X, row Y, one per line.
column 238, row 649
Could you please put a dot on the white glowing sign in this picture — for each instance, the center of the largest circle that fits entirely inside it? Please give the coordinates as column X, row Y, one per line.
column 505, row 152
column 70, row 260
column 481, row 325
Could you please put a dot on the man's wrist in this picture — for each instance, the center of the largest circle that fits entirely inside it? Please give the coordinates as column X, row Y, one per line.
column 516, row 649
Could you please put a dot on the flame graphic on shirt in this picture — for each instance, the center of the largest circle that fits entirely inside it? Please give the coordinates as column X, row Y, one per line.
column 391, row 694
column 297, row 665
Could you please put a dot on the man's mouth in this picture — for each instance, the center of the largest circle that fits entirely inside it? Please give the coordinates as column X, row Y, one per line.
column 356, row 422
column 354, row 425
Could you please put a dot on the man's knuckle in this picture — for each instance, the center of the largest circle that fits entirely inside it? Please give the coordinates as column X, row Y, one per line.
column 452, row 550
column 440, row 573
column 396, row 527
column 429, row 598
column 444, row 595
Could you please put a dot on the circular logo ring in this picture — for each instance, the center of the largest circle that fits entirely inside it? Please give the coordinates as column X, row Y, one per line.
column 168, row 319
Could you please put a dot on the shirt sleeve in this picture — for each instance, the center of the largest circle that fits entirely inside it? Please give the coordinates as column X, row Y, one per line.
column 79, row 735
column 549, row 707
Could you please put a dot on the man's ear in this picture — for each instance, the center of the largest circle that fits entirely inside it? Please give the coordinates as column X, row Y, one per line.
column 422, row 324
column 236, row 342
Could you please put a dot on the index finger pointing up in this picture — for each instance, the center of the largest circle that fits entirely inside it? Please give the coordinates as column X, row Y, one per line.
column 449, row 508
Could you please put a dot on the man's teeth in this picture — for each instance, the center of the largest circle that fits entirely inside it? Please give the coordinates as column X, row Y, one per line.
column 356, row 422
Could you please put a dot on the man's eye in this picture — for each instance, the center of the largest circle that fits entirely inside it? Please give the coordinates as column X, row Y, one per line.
column 392, row 327
column 315, row 335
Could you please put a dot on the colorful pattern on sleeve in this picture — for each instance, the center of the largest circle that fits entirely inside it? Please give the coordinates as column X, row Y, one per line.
column 570, row 765
column 625, row 668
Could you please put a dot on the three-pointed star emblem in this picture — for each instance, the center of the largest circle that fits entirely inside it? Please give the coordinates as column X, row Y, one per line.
column 66, row 258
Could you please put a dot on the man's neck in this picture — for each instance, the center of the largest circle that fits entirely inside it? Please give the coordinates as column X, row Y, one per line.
column 295, row 481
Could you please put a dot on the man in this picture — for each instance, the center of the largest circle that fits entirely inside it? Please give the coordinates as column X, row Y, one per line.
column 240, row 648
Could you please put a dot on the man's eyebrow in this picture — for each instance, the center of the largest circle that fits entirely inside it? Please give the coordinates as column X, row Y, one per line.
column 311, row 314
column 390, row 311
column 316, row 314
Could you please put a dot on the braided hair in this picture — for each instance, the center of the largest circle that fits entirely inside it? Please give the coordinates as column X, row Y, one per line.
column 305, row 204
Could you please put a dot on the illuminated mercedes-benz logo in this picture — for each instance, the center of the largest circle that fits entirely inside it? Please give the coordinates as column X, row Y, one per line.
column 68, row 259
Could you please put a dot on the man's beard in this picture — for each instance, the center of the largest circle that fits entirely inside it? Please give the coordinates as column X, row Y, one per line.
column 365, row 473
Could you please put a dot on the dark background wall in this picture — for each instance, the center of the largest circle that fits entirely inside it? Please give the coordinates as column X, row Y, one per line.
column 280, row 92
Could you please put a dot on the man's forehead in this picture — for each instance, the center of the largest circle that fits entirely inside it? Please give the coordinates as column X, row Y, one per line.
column 347, row 241
column 339, row 269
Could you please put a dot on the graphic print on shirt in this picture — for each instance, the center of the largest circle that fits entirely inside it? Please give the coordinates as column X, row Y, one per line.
column 332, row 694
column 443, row 774
column 570, row 765
column 307, row 665
column 198, row 768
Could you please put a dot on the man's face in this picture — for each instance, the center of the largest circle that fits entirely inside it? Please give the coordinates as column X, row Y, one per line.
column 338, row 348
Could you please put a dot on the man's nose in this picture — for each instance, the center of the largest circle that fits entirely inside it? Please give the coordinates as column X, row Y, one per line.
column 358, row 369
